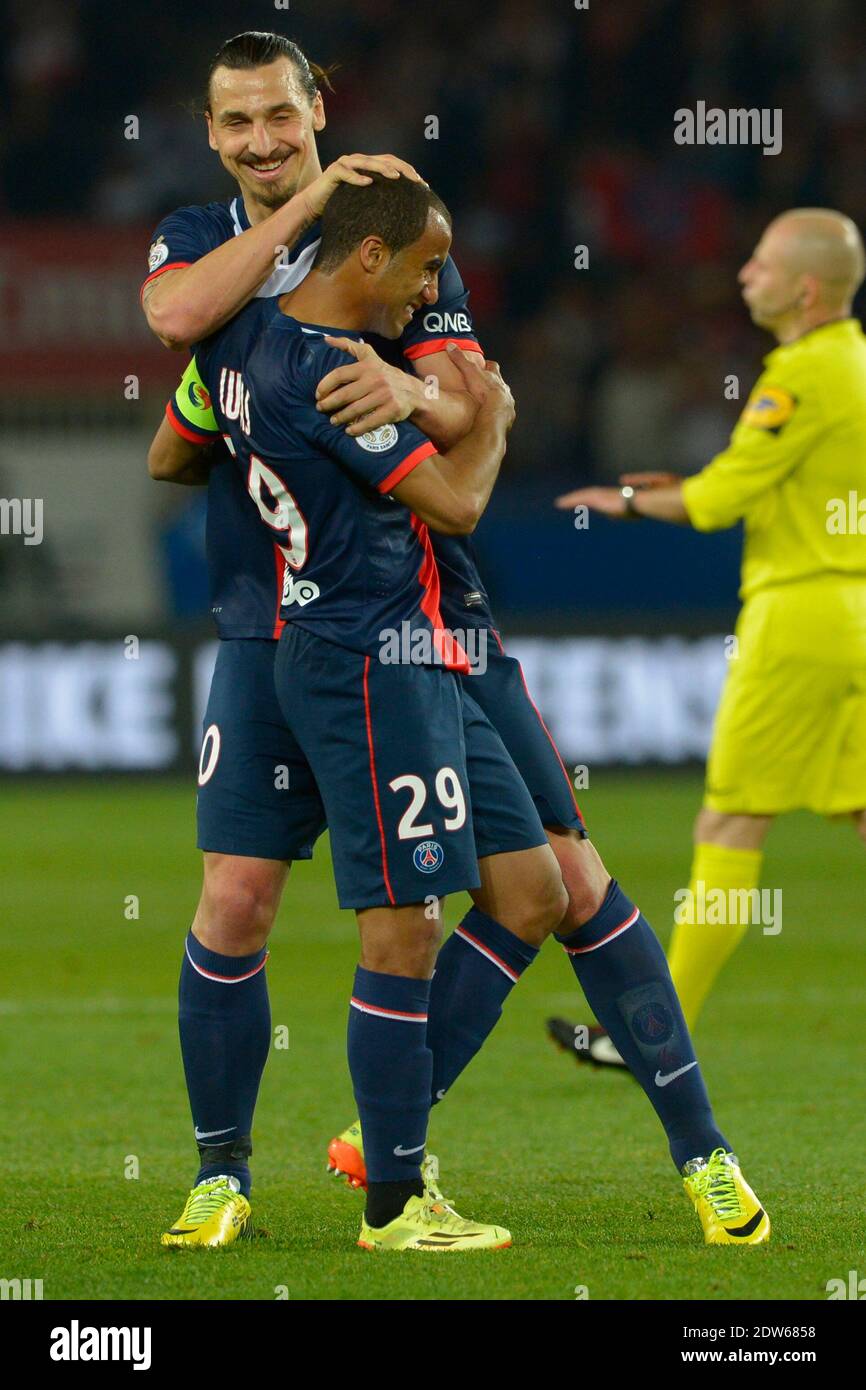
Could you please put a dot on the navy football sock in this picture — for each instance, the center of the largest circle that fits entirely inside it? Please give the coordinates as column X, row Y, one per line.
column 476, row 970
column 225, row 1034
column 624, row 974
column 390, row 1065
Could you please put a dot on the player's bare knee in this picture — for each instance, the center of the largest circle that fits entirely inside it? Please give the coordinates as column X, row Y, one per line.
column 401, row 940
column 238, row 907
column 543, row 911
column 558, row 906
column 731, row 830
column 584, row 875
column 556, row 909
column 408, row 953
column 583, row 903
column 709, row 825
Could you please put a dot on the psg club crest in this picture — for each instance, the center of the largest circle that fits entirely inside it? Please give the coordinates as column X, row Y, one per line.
column 652, row 1024
column 428, row 856
column 379, row 440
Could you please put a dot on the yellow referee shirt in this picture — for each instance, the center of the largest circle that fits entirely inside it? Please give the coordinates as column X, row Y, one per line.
column 795, row 470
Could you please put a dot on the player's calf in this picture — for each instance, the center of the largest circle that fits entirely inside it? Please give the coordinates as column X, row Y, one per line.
column 224, row 1015
column 389, row 1058
column 623, row 972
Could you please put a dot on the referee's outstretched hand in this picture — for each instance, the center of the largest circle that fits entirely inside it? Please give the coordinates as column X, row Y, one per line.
column 607, row 500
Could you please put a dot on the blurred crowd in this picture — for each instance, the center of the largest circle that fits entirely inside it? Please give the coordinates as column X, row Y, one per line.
column 555, row 131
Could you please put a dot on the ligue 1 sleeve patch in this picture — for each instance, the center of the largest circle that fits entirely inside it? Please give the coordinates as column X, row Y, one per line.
column 378, row 441
column 769, row 408
column 199, row 396
column 157, row 254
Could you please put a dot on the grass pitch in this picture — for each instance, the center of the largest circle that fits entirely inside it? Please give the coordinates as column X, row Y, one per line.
column 98, row 1153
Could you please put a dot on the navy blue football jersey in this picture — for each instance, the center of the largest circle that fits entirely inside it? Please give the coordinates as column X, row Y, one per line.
column 244, row 583
column 356, row 566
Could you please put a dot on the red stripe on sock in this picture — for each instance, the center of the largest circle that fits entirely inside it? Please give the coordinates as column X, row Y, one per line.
column 386, row 1013
column 486, row 951
column 615, row 931
column 227, row 979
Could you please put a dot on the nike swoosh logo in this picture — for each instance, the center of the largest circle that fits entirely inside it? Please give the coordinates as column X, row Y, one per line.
column 210, row 1133
column 750, row 1226
column 400, row 1152
column 440, row 1095
column 672, row 1075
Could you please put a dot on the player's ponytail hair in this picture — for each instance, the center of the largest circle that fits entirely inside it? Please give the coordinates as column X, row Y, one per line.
column 255, row 49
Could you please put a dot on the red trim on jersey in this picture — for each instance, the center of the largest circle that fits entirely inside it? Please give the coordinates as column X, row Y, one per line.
column 439, row 345
column 448, row 648
column 369, row 719
column 184, row 430
column 542, row 723
column 175, row 265
column 410, row 461
column 280, row 560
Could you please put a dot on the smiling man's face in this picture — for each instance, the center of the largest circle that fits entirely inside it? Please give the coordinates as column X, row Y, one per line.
column 410, row 279
column 263, row 126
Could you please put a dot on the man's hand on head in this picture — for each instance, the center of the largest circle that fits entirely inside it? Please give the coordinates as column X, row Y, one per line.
column 352, row 168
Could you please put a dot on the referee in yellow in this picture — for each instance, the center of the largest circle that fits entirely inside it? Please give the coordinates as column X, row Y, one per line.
column 790, row 729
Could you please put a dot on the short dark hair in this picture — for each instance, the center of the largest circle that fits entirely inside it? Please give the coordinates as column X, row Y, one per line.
column 255, row 49
column 394, row 209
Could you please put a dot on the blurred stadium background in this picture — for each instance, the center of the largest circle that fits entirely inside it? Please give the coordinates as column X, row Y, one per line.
column 555, row 131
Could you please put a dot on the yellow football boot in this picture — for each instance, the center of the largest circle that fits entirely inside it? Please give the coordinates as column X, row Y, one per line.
column 431, row 1224
column 216, row 1214
column 730, row 1212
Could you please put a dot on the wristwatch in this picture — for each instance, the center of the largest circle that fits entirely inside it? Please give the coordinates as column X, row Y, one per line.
column 631, row 512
